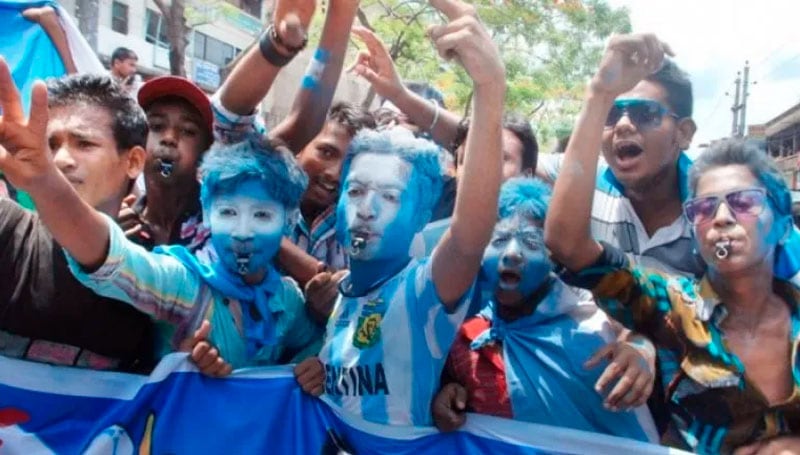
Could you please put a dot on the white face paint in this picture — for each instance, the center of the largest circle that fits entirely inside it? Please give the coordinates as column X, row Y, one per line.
column 246, row 227
column 377, row 205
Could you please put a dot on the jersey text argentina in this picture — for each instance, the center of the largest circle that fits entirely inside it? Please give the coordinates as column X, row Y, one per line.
column 384, row 352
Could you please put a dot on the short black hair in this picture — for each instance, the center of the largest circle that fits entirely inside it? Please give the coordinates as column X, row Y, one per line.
column 678, row 86
column 122, row 53
column 516, row 124
column 351, row 116
column 522, row 130
column 129, row 124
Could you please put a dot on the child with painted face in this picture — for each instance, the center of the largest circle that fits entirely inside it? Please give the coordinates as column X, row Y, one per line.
column 534, row 337
column 250, row 193
column 395, row 318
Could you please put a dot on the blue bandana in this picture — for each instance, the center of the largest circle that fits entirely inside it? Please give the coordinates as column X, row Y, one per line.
column 543, row 354
column 259, row 328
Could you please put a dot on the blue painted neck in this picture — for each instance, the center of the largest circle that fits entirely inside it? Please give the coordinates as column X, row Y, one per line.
column 367, row 275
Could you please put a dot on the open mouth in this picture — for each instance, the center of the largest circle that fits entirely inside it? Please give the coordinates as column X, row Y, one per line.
column 510, row 278
column 627, row 150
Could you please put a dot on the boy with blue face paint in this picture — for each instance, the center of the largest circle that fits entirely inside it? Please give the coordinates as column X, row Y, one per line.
column 395, row 318
column 533, row 338
column 250, row 193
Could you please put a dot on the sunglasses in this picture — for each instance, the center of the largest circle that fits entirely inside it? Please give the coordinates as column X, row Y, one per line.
column 749, row 201
column 644, row 114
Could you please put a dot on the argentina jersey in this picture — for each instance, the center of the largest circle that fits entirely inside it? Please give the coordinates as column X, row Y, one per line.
column 384, row 352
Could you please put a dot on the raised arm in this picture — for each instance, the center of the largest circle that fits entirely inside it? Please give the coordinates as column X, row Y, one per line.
column 457, row 258
column 376, row 66
column 627, row 60
column 311, row 105
column 253, row 76
column 124, row 271
column 27, row 163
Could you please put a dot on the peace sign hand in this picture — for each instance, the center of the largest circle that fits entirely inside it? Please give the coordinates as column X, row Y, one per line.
column 376, row 65
column 24, row 153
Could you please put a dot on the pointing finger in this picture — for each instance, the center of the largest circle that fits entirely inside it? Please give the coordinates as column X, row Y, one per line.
column 453, row 9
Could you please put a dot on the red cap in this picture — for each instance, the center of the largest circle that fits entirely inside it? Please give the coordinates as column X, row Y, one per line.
column 160, row 87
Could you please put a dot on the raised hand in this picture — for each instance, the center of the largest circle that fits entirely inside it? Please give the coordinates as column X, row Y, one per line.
column 627, row 60
column 24, row 154
column 291, row 19
column 466, row 39
column 376, row 65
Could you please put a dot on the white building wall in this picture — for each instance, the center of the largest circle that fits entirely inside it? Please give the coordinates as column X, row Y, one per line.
column 154, row 59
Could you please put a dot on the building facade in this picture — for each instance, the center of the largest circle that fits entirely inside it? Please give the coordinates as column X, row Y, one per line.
column 783, row 143
column 220, row 30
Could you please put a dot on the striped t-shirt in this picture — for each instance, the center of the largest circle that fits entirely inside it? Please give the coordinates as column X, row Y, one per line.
column 384, row 351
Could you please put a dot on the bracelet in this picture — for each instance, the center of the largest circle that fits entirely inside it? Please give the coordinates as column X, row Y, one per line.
column 435, row 115
column 266, row 44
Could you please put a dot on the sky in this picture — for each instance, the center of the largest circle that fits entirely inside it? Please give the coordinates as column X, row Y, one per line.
column 712, row 39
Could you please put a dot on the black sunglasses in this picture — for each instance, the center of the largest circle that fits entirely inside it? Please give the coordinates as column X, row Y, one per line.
column 644, row 114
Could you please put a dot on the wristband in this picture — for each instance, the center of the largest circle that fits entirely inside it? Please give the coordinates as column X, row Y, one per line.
column 266, row 44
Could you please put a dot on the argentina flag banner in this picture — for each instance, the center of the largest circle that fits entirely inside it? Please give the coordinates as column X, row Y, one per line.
column 47, row 409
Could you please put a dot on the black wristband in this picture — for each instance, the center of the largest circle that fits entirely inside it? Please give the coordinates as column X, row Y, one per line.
column 267, row 47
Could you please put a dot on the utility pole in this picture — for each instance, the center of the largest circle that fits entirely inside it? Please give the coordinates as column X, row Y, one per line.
column 743, row 111
column 735, row 108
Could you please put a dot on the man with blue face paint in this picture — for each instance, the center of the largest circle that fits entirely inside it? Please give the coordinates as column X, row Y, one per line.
column 523, row 356
column 250, row 193
column 395, row 318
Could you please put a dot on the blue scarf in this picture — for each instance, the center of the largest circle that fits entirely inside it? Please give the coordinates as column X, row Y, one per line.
column 259, row 328
column 543, row 355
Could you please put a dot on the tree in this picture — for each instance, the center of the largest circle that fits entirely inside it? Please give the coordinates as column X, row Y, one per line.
column 173, row 15
column 550, row 48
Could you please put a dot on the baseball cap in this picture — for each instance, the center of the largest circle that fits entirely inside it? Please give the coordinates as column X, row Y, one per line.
column 163, row 86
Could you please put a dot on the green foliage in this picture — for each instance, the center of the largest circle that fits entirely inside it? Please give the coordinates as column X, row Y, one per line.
column 550, row 48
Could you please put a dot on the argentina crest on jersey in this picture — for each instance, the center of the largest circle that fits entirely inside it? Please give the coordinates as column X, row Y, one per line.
column 368, row 328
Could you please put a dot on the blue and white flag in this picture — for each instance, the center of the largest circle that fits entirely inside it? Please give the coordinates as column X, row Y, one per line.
column 47, row 409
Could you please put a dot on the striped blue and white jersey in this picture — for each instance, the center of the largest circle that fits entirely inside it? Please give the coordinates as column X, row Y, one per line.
column 384, row 352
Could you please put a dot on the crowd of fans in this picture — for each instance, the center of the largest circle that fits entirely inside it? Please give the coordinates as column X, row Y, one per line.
column 414, row 265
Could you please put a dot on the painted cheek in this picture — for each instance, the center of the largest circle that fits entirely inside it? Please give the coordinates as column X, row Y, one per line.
column 537, row 268
column 491, row 259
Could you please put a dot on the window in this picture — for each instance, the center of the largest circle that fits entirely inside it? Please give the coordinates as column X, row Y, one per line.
column 213, row 50
column 155, row 31
column 119, row 17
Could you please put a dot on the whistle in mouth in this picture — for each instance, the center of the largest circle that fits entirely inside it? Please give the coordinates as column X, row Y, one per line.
column 165, row 168
column 243, row 264
column 357, row 244
column 721, row 249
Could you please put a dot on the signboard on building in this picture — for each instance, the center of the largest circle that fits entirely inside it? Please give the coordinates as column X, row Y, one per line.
column 206, row 74
column 206, row 11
